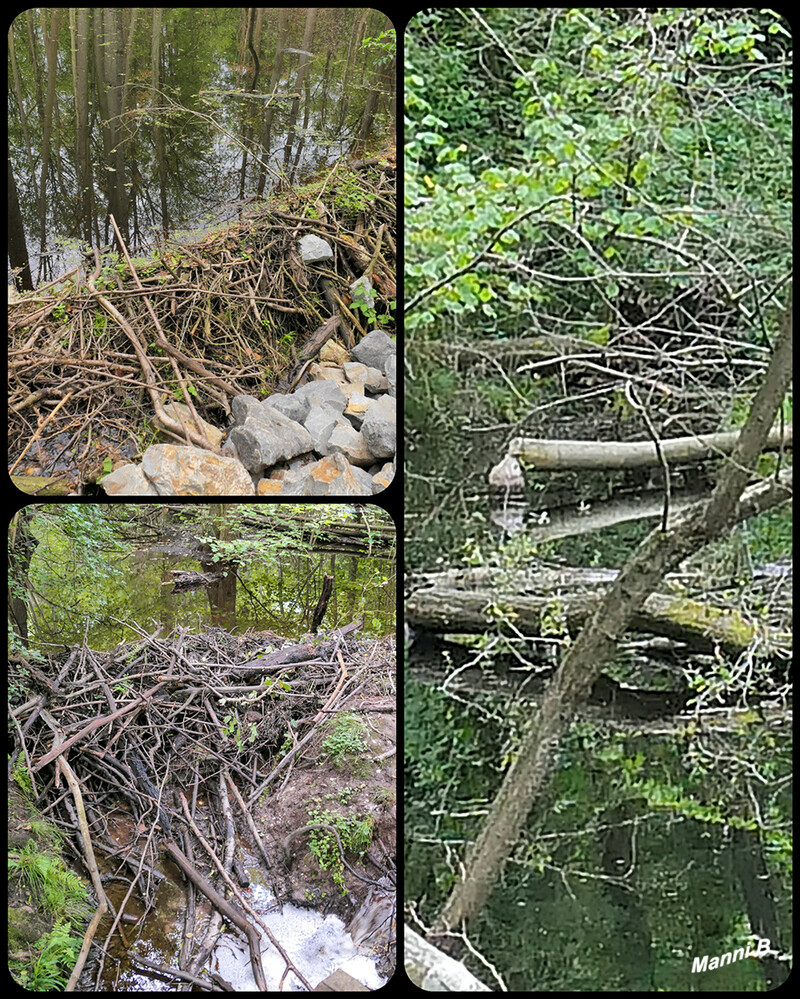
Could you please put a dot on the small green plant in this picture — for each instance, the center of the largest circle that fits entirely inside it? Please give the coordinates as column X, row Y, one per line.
column 350, row 197
column 384, row 796
column 346, row 744
column 178, row 393
column 232, row 726
column 21, row 776
column 56, row 887
column 367, row 310
column 344, row 794
column 355, row 834
column 56, row 955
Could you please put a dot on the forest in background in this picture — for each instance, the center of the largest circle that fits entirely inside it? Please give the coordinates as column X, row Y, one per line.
column 86, row 570
column 159, row 116
column 598, row 249
column 593, row 187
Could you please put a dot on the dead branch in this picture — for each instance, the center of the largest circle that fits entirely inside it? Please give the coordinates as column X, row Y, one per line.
column 571, row 455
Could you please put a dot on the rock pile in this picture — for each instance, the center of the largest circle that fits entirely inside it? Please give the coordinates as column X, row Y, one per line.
column 334, row 436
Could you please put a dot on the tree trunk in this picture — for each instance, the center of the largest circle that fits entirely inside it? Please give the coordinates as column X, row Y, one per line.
column 594, row 647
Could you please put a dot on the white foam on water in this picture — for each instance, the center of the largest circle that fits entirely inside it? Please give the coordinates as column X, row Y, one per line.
column 317, row 944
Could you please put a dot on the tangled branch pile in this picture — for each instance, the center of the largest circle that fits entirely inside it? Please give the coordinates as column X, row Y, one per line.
column 93, row 355
column 209, row 714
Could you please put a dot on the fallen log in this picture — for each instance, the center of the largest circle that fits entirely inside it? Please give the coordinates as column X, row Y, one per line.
column 560, row 456
column 473, row 601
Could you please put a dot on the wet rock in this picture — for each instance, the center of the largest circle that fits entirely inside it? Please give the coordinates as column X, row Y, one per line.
column 373, row 928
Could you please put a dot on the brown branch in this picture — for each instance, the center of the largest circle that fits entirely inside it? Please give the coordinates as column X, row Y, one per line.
column 96, row 723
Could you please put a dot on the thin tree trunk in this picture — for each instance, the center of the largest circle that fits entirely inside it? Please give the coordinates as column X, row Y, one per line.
column 594, row 647
column 308, row 36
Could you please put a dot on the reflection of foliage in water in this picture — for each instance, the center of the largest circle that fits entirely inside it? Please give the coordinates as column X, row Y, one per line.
column 73, row 565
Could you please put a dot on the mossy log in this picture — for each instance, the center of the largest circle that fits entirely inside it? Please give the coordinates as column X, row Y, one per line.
column 558, row 600
column 42, row 485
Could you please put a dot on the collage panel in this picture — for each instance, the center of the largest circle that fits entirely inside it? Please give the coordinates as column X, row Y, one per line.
column 597, row 490
column 202, row 747
column 202, row 274
column 202, row 334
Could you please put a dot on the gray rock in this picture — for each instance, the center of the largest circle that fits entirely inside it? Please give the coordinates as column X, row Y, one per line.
column 312, row 250
column 372, row 379
column 321, row 392
column 383, row 478
column 345, row 440
column 320, row 423
column 380, row 427
column 330, row 476
column 374, row 350
column 267, row 438
column 293, row 406
column 391, row 373
column 244, row 406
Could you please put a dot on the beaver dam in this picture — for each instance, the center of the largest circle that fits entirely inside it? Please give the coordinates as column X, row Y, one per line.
column 231, row 799
column 134, row 363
